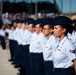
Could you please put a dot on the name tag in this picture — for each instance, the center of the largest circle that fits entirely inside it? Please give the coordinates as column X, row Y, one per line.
column 58, row 49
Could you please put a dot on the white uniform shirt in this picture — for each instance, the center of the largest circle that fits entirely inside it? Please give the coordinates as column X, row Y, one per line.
column 32, row 42
column 72, row 37
column 63, row 54
column 49, row 47
column 2, row 33
column 19, row 34
column 15, row 34
column 37, row 43
column 7, row 31
column 43, row 42
column 10, row 36
column 26, row 37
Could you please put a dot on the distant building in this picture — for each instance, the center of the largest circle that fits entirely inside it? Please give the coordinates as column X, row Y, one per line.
column 52, row 1
column 29, row 6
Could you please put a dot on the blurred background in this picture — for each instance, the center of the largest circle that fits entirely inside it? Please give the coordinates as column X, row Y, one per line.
column 37, row 8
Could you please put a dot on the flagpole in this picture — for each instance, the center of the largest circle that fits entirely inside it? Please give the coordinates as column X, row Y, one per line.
column 62, row 7
column 36, row 9
column 70, row 8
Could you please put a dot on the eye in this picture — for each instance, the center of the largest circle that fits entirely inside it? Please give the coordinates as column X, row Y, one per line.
column 55, row 28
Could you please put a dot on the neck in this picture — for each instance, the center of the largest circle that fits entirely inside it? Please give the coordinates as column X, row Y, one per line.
column 32, row 31
column 49, row 36
column 25, row 28
column 61, row 37
column 40, row 32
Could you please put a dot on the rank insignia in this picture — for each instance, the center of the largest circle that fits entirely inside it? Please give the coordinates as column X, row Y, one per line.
column 73, row 51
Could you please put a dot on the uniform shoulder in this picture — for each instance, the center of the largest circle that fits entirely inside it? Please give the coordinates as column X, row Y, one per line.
column 69, row 43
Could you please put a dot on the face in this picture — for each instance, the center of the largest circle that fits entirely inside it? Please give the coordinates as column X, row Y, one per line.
column 74, row 26
column 59, row 31
column 23, row 26
column 15, row 24
column 30, row 28
column 47, row 30
column 19, row 25
column 12, row 28
column 27, row 25
column 38, row 28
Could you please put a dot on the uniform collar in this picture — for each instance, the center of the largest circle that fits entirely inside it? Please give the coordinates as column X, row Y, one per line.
column 51, row 37
column 62, row 41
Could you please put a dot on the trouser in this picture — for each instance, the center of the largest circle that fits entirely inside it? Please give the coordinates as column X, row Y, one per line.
column 11, row 49
column 16, row 53
column 25, row 59
column 0, row 39
column 48, row 68
column 3, row 43
column 60, row 71
column 22, row 70
column 36, row 61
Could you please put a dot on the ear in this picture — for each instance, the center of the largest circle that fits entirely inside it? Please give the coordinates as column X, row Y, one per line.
column 51, row 30
column 63, row 30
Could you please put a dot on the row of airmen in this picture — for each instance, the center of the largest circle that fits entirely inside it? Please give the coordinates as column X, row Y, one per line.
column 43, row 46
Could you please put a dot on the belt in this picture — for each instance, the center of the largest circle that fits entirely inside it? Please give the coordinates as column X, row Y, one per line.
column 70, row 68
column 59, row 69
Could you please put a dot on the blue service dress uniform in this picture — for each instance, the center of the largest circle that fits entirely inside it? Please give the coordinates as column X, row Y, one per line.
column 10, row 37
column 36, row 56
column 24, row 47
column 16, row 47
column 47, row 54
column 72, row 37
column 63, row 57
column 2, row 37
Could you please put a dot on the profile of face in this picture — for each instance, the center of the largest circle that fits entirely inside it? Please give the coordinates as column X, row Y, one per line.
column 38, row 28
column 47, row 30
column 27, row 25
column 30, row 28
column 59, row 31
column 12, row 28
column 15, row 24
column 19, row 25
column 23, row 26
column 74, row 26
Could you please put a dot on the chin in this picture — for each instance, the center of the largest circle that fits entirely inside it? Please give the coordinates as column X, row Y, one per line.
column 55, row 35
column 44, row 34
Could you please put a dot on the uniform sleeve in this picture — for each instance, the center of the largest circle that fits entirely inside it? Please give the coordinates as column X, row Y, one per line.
column 3, row 34
column 19, row 38
column 71, row 51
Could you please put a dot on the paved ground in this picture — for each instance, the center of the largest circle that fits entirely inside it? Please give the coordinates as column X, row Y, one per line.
column 5, row 66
